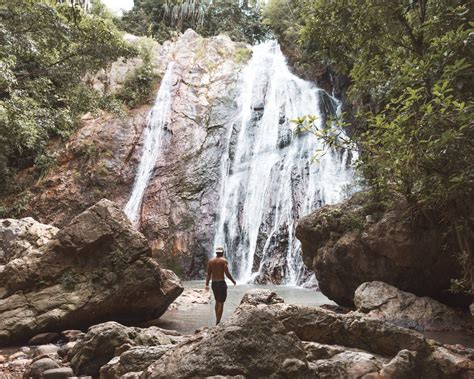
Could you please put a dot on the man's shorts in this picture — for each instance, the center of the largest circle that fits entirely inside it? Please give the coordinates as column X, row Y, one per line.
column 220, row 290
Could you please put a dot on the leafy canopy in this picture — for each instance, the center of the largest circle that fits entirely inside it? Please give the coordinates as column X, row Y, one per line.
column 45, row 50
column 162, row 19
column 409, row 64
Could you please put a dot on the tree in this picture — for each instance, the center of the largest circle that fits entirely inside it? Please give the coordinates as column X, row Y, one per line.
column 411, row 79
column 162, row 19
column 45, row 51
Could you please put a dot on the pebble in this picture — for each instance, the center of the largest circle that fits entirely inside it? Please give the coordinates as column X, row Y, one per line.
column 20, row 362
column 41, row 365
column 48, row 349
column 58, row 373
column 17, row 355
column 3, row 359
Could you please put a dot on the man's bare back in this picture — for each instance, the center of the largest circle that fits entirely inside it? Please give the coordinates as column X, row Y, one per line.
column 217, row 268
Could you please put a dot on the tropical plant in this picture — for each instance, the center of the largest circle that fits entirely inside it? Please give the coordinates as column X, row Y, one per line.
column 164, row 18
column 45, row 51
column 411, row 79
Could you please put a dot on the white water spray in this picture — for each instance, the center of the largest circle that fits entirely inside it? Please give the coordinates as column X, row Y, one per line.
column 269, row 179
column 155, row 132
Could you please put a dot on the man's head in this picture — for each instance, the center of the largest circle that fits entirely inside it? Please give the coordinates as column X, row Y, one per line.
column 220, row 251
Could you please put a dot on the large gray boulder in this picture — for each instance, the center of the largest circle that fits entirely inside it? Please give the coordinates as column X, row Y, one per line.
column 345, row 246
column 96, row 268
column 385, row 302
column 251, row 343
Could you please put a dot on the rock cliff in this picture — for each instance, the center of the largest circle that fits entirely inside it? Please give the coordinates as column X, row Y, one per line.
column 95, row 268
column 100, row 160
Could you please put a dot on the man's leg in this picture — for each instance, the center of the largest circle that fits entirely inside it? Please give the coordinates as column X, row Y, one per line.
column 219, row 310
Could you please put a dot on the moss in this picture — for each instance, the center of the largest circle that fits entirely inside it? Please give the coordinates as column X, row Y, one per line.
column 242, row 55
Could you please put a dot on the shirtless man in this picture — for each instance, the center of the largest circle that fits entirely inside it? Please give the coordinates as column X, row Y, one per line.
column 216, row 269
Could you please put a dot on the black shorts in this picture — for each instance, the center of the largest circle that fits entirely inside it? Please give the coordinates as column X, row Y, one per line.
column 220, row 290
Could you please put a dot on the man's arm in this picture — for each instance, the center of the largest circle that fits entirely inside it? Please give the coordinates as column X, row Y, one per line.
column 208, row 278
column 227, row 273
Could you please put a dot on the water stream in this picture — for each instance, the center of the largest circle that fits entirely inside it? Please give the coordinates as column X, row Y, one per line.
column 269, row 178
column 155, row 133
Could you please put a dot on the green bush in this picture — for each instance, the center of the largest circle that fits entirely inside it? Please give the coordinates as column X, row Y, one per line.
column 243, row 55
column 140, row 83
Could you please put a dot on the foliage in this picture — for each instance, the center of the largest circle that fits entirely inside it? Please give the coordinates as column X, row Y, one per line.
column 243, row 55
column 45, row 51
column 411, row 73
column 139, row 84
column 241, row 22
column 163, row 19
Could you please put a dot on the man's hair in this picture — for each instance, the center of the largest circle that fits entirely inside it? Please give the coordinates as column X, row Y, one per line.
column 220, row 251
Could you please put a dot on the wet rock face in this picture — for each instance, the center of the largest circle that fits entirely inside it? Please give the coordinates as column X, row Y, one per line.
column 180, row 203
column 385, row 302
column 344, row 251
column 96, row 268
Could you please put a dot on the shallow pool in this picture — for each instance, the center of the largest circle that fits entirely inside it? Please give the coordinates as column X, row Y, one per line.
column 187, row 321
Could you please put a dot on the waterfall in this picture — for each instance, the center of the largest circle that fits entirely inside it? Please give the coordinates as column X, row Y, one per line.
column 269, row 177
column 154, row 135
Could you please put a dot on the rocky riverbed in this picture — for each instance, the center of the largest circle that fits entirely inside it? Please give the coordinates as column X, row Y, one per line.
column 88, row 300
column 263, row 338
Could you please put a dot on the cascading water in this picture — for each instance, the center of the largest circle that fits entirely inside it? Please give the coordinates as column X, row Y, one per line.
column 269, row 178
column 155, row 132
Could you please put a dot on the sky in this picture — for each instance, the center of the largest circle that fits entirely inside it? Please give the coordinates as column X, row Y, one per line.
column 117, row 5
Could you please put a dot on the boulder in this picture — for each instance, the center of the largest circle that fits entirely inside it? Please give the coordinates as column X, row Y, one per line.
column 49, row 349
column 190, row 297
column 44, row 338
column 346, row 248
column 103, row 341
column 251, row 343
column 280, row 340
column 72, row 335
column 19, row 237
column 135, row 359
column 385, row 302
column 261, row 296
column 38, row 366
column 96, row 268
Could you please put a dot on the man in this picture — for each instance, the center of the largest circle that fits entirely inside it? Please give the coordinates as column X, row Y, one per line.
column 216, row 269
